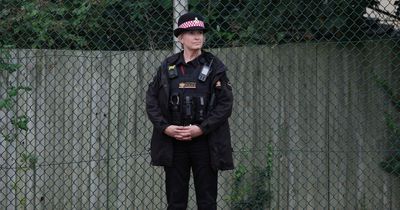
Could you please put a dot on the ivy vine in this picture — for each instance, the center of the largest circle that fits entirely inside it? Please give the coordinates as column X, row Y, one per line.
column 251, row 187
column 26, row 161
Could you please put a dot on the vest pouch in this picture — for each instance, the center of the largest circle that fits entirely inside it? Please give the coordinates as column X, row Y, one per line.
column 201, row 109
column 188, row 110
column 175, row 108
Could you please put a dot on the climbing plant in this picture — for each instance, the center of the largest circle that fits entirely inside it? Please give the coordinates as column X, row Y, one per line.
column 14, row 124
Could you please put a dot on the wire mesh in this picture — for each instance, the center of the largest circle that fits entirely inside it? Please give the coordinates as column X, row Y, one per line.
column 315, row 125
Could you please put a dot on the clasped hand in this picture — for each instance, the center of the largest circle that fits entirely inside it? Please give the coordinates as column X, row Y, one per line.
column 183, row 133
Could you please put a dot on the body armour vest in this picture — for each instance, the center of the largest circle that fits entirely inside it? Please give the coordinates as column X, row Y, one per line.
column 189, row 96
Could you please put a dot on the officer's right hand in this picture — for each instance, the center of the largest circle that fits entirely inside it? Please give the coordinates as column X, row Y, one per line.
column 180, row 133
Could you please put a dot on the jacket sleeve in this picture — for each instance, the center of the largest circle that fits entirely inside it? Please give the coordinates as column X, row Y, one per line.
column 153, row 108
column 223, row 104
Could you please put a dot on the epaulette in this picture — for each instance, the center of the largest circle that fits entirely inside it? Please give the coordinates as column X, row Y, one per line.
column 168, row 65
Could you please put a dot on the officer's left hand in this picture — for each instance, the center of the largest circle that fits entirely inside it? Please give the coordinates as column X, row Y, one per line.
column 195, row 131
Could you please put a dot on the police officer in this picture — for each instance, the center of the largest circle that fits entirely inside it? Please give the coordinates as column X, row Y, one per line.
column 189, row 102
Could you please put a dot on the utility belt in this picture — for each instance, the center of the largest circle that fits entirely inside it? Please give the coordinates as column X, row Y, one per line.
column 187, row 110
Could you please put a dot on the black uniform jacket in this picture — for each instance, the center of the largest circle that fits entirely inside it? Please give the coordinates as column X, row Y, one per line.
column 215, row 126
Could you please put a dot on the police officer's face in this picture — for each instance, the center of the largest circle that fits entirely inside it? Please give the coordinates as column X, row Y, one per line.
column 192, row 40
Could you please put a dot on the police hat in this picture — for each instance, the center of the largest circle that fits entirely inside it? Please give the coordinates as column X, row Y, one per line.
column 190, row 22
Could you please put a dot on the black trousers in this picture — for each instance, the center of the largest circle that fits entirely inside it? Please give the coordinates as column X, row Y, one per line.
column 193, row 155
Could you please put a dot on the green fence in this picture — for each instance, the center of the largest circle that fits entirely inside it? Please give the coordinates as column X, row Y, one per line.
column 315, row 124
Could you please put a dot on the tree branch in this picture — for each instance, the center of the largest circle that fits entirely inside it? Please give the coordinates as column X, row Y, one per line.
column 385, row 12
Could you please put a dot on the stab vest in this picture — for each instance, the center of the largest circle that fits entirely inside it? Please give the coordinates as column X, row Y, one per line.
column 189, row 95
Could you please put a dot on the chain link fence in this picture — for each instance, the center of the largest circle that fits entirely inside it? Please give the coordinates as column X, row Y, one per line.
column 316, row 121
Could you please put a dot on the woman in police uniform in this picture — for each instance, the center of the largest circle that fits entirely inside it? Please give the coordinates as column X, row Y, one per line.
column 189, row 102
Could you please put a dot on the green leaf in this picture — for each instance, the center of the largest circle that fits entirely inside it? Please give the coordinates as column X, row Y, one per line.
column 9, row 67
column 26, row 88
column 33, row 161
column 29, row 160
column 20, row 122
column 13, row 91
column 23, row 201
column 240, row 172
column 9, row 137
column 24, row 158
column 6, row 137
column 14, row 186
column 6, row 104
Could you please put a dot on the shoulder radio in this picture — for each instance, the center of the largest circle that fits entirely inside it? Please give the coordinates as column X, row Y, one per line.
column 205, row 71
